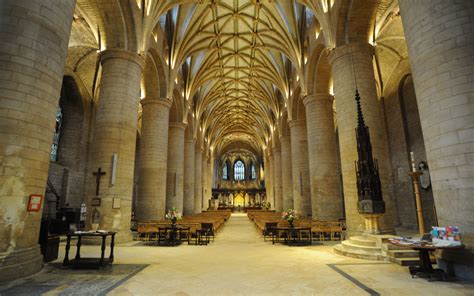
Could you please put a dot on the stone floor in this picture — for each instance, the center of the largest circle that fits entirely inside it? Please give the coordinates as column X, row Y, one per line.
column 239, row 262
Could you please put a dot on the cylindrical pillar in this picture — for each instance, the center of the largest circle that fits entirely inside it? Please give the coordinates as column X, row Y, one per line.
column 299, row 161
column 189, row 154
column 267, row 175
column 115, row 132
column 204, row 168
column 440, row 41
column 272, row 177
column 174, row 175
column 345, row 60
column 286, row 173
column 151, row 198
column 210, row 170
column 198, row 179
column 33, row 52
column 278, row 187
column 322, row 150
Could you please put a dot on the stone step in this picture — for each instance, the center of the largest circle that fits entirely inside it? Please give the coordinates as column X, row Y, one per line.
column 358, row 253
column 414, row 261
column 362, row 241
column 349, row 245
column 406, row 253
column 410, row 261
column 388, row 247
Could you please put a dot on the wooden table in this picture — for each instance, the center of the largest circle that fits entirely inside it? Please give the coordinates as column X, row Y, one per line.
column 426, row 270
column 95, row 263
column 292, row 235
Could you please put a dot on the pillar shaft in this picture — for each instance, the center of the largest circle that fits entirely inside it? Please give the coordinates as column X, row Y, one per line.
column 286, row 173
column 33, row 51
column 175, row 172
column 278, row 182
column 151, row 199
column 204, row 202
column 358, row 56
column 272, row 179
column 189, row 154
column 210, row 170
column 325, row 200
column 198, row 180
column 115, row 132
column 440, row 40
column 299, row 161
column 267, row 176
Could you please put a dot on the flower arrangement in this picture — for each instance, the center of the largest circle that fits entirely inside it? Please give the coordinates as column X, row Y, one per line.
column 290, row 215
column 174, row 214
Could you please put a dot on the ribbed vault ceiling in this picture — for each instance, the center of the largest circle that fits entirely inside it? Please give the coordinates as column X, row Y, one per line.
column 238, row 54
column 236, row 69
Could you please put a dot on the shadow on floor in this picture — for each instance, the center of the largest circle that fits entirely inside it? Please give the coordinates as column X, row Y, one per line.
column 61, row 281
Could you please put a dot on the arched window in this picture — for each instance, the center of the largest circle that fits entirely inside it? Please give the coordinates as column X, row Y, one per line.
column 239, row 171
column 225, row 172
column 57, row 132
column 254, row 172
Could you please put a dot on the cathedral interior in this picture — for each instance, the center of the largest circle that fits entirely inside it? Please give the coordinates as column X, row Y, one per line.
column 234, row 112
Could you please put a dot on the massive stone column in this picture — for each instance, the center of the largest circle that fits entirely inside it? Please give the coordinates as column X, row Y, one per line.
column 115, row 132
column 440, row 41
column 271, row 160
column 210, row 170
column 198, row 180
column 278, row 194
column 204, row 169
column 151, row 198
column 286, row 173
column 33, row 52
column 299, row 161
column 267, row 175
column 344, row 59
column 322, row 150
column 189, row 154
column 175, row 172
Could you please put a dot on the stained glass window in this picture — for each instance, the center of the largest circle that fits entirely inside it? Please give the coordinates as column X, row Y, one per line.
column 239, row 171
column 57, row 133
column 254, row 172
column 225, row 174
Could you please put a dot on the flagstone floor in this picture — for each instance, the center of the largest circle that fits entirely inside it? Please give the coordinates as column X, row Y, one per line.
column 239, row 262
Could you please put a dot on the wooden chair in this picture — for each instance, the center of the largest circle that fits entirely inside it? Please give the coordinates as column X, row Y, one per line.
column 269, row 230
column 209, row 227
column 336, row 228
column 317, row 230
column 142, row 231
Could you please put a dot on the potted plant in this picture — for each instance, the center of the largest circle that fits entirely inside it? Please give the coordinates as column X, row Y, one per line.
column 290, row 216
column 174, row 214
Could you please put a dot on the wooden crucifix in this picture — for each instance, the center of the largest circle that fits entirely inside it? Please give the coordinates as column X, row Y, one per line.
column 97, row 175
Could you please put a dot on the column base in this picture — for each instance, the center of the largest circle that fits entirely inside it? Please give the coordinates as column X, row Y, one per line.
column 20, row 263
column 371, row 223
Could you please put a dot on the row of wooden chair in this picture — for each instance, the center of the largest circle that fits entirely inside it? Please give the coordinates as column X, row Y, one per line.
column 266, row 221
column 204, row 224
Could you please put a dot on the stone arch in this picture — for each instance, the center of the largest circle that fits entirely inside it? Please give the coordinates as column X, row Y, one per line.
column 154, row 78
column 323, row 75
column 355, row 21
column 176, row 110
column 66, row 175
column 284, row 127
column 116, row 22
column 297, row 108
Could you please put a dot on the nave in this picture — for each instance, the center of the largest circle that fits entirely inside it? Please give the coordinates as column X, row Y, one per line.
column 239, row 262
